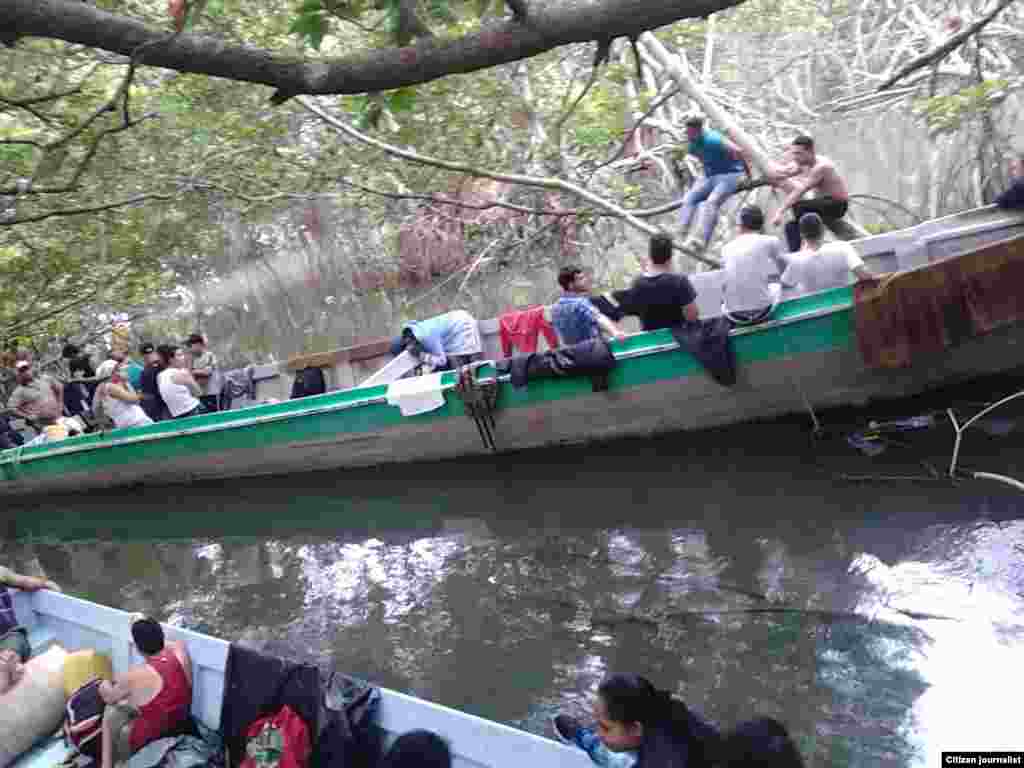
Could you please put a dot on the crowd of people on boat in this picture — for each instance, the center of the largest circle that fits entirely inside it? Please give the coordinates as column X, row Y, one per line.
column 164, row 382
column 175, row 382
column 633, row 724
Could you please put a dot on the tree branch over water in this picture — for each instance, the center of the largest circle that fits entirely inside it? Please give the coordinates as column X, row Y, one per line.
column 511, row 178
column 548, row 25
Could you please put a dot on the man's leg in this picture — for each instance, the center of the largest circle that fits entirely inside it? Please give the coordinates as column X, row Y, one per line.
column 832, row 213
column 724, row 187
column 116, row 734
column 696, row 195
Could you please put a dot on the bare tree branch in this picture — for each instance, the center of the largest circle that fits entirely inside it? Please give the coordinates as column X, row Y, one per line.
column 512, row 178
column 90, row 209
column 548, row 25
column 937, row 54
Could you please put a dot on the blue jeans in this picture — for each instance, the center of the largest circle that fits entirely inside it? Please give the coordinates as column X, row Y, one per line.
column 591, row 743
column 713, row 192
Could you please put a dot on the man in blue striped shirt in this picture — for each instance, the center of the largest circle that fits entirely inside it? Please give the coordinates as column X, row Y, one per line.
column 573, row 316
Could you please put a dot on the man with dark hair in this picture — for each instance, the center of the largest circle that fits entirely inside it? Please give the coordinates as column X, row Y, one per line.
column 573, row 316
column 148, row 701
column 152, row 401
column 724, row 165
column 1013, row 197
column 811, row 172
column 205, row 371
column 752, row 262
column 660, row 297
column 819, row 266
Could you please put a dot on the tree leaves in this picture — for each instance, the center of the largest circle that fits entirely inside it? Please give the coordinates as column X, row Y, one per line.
column 311, row 23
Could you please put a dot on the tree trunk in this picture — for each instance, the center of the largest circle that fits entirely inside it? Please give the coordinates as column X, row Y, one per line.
column 547, row 26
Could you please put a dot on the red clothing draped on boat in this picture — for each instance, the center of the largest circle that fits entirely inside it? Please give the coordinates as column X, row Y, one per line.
column 520, row 330
column 169, row 708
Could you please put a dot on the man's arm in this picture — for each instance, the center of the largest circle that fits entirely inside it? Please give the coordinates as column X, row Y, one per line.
column 115, row 692
column 813, row 179
column 609, row 327
column 179, row 649
column 28, row 583
column 856, row 264
column 738, row 153
column 185, row 379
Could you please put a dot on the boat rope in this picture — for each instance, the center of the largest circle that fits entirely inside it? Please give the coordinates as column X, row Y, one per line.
column 479, row 399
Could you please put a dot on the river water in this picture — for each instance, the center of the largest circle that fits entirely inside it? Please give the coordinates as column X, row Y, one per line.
column 751, row 570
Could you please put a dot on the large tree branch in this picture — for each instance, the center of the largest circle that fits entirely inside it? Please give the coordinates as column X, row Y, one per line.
column 942, row 51
column 549, row 25
column 512, row 178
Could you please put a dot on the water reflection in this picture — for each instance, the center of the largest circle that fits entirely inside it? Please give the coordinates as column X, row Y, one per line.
column 862, row 621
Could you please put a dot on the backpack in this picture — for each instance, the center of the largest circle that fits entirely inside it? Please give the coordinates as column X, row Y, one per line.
column 84, row 720
column 280, row 740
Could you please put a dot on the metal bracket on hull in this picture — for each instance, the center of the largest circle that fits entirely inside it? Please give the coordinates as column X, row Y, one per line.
column 479, row 398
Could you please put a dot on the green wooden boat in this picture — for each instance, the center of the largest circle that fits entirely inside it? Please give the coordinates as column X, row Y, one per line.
column 805, row 358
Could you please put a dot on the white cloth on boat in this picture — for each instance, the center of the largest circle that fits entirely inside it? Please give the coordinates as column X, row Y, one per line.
column 419, row 394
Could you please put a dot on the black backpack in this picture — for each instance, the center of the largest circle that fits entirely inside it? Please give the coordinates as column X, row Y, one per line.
column 83, row 723
column 308, row 381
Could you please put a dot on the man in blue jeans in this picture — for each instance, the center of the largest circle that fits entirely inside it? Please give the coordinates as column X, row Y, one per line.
column 724, row 165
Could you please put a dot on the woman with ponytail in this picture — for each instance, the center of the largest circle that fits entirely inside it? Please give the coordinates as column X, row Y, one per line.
column 633, row 716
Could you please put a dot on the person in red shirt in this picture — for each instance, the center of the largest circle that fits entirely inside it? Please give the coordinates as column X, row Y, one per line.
column 148, row 701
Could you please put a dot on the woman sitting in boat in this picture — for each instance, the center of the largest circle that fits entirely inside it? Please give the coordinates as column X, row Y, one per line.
column 178, row 388
column 634, row 718
column 119, row 400
column 148, row 701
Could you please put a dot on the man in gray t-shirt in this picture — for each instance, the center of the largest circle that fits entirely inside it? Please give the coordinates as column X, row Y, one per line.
column 752, row 263
column 818, row 266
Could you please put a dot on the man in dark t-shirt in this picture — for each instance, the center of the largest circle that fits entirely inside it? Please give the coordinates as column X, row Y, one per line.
column 660, row 297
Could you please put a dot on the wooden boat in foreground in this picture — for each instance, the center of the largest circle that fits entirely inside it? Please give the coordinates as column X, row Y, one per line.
column 76, row 624
column 805, row 358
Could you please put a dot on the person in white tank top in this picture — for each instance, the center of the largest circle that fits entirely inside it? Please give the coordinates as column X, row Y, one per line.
column 120, row 401
column 177, row 387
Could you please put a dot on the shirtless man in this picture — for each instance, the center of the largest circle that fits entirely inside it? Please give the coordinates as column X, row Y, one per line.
column 148, row 701
column 810, row 172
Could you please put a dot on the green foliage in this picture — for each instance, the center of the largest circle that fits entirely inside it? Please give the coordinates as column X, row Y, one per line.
column 947, row 113
column 310, row 23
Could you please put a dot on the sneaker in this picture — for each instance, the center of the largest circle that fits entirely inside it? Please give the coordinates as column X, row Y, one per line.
column 566, row 727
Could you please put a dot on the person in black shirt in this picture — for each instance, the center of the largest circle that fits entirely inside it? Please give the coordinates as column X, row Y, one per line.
column 152, row 402
column 1013, row 197
column 660, row 297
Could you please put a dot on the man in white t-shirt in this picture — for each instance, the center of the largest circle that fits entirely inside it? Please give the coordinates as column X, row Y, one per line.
column 752, row 262
column 819, row 266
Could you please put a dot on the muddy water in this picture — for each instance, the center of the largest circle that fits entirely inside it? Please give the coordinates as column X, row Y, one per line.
column 883, row 621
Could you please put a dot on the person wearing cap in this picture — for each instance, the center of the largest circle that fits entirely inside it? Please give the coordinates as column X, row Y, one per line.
column 819, row 265
column 204, row 370
column 148, row 701
column 443, row 342
column 752, row 262
column 36, row 398
column 725, row 164
column 152, row 401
